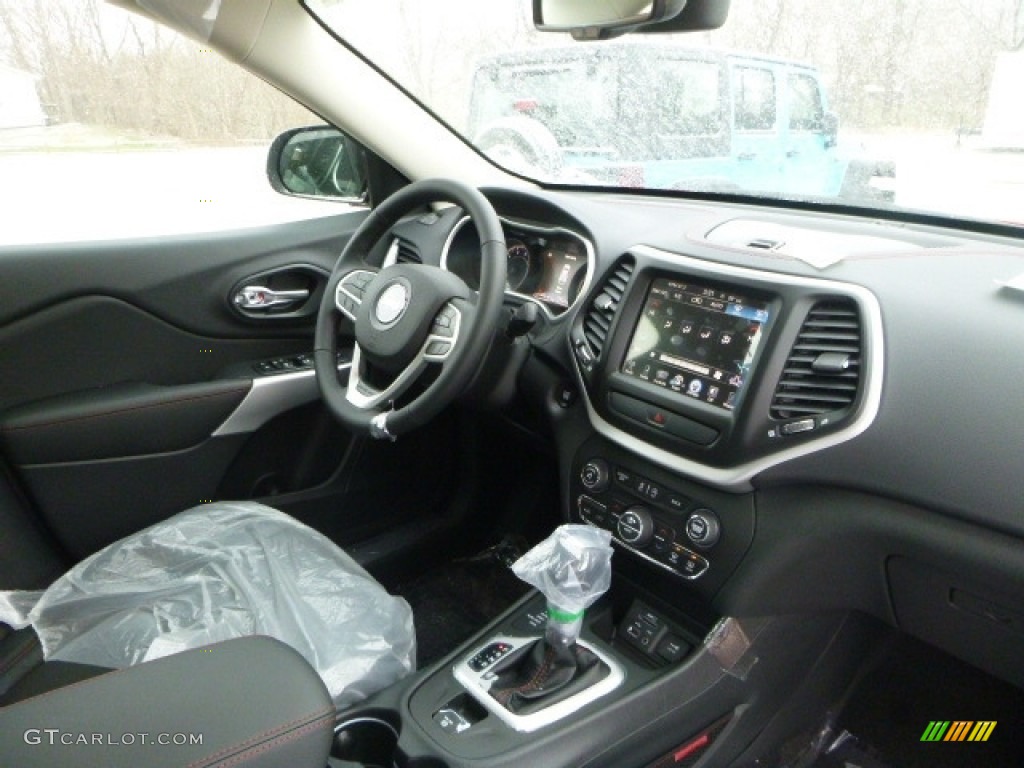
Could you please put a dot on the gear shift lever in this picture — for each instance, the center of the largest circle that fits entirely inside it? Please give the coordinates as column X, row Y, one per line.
column 572, row 568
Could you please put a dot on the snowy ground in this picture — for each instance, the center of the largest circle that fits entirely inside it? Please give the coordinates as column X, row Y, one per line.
column 958, row 178
column 53, row 195
column 59, row 196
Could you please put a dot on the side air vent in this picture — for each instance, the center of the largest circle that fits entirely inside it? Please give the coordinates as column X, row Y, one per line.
column 601, row 313
column 823, row 372
column 407, row 253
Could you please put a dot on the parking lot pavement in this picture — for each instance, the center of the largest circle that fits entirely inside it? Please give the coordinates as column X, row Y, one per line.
column 60, row 196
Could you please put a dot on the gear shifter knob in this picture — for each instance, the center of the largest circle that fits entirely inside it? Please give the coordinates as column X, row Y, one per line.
column 572, row 568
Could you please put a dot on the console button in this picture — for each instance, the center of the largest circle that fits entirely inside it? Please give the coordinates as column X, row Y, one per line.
column 674, row 556
column 636, row 526
column 451, row 722
column 594, row 513
column 488, row 656
column 663, row 538
column 617, row 506
column 624, row 477
column 586, row 357
column 595, row 475
column 649, row 617
column 672, row 648
column 668, row 421
column 566, row 395
column 796, row 427
column 677, row 502
column 703, row 528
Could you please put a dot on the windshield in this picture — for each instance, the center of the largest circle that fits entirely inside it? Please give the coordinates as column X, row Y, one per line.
column 910, row 105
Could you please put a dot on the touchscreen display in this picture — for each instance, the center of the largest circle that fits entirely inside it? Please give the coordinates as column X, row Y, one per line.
column 696, row 340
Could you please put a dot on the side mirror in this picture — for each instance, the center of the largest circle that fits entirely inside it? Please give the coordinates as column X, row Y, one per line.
column 589, row 20
column 830, row 128
column 318, row 161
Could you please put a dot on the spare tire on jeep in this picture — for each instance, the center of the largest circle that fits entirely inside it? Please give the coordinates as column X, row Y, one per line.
column 522, row 144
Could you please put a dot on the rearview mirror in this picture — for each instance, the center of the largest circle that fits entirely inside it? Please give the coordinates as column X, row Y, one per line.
column 601, row 19
column 318, row 161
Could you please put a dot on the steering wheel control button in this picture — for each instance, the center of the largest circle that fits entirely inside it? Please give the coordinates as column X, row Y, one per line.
column 636, row 526
column 438, row 350
column 444, row 323
column 391, row 303
column 703, row 528
column 350, row 292
column 595, row 475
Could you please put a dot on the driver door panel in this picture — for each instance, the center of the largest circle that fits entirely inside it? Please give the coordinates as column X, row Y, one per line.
column 121, row 360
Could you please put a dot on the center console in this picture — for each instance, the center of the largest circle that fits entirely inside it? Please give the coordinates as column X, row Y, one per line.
column 694, row 376
column 638, row 642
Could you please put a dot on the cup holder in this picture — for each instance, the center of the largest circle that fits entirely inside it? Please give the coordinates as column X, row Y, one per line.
column 368, row 741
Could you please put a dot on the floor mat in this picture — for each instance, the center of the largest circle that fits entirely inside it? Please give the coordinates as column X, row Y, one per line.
column 912, row 711
column 451, row 603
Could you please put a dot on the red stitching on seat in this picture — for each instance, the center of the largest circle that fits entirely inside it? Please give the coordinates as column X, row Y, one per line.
column 12, row 661
column 252, row 751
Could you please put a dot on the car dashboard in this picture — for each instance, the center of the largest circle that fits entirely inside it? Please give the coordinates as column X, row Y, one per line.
column 777, row 410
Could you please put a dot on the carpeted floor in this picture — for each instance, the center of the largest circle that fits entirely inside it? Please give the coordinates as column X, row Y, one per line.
column 882, row 724
column 453, row 602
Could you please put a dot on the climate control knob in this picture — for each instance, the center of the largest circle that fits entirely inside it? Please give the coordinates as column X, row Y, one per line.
column 595, row 475
column 636, row 526
column 703, row 529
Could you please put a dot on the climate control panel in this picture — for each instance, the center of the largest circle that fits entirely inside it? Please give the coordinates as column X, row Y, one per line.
column 676, row 528
column 657, row 522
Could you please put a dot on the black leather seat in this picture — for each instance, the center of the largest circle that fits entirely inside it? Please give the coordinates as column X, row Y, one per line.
column 252, row 701
column 27, row 561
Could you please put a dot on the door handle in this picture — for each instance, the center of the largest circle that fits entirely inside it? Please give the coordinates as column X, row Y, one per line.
column 259, row 297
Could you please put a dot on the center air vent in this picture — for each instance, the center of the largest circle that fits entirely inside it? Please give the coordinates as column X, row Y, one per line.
column 601, row 313
column 407, row 253
column 823, row 371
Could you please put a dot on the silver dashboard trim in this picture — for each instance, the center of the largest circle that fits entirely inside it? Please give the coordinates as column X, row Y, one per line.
column 737, row 479
column 363, row 396
column 616, row 540
column 270, row 396
column 587, row 245
column 478, row 686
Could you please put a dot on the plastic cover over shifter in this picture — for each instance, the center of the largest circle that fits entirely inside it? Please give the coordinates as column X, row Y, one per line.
column 572, row 568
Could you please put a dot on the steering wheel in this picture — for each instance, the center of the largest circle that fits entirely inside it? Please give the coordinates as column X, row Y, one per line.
column 408, row 318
